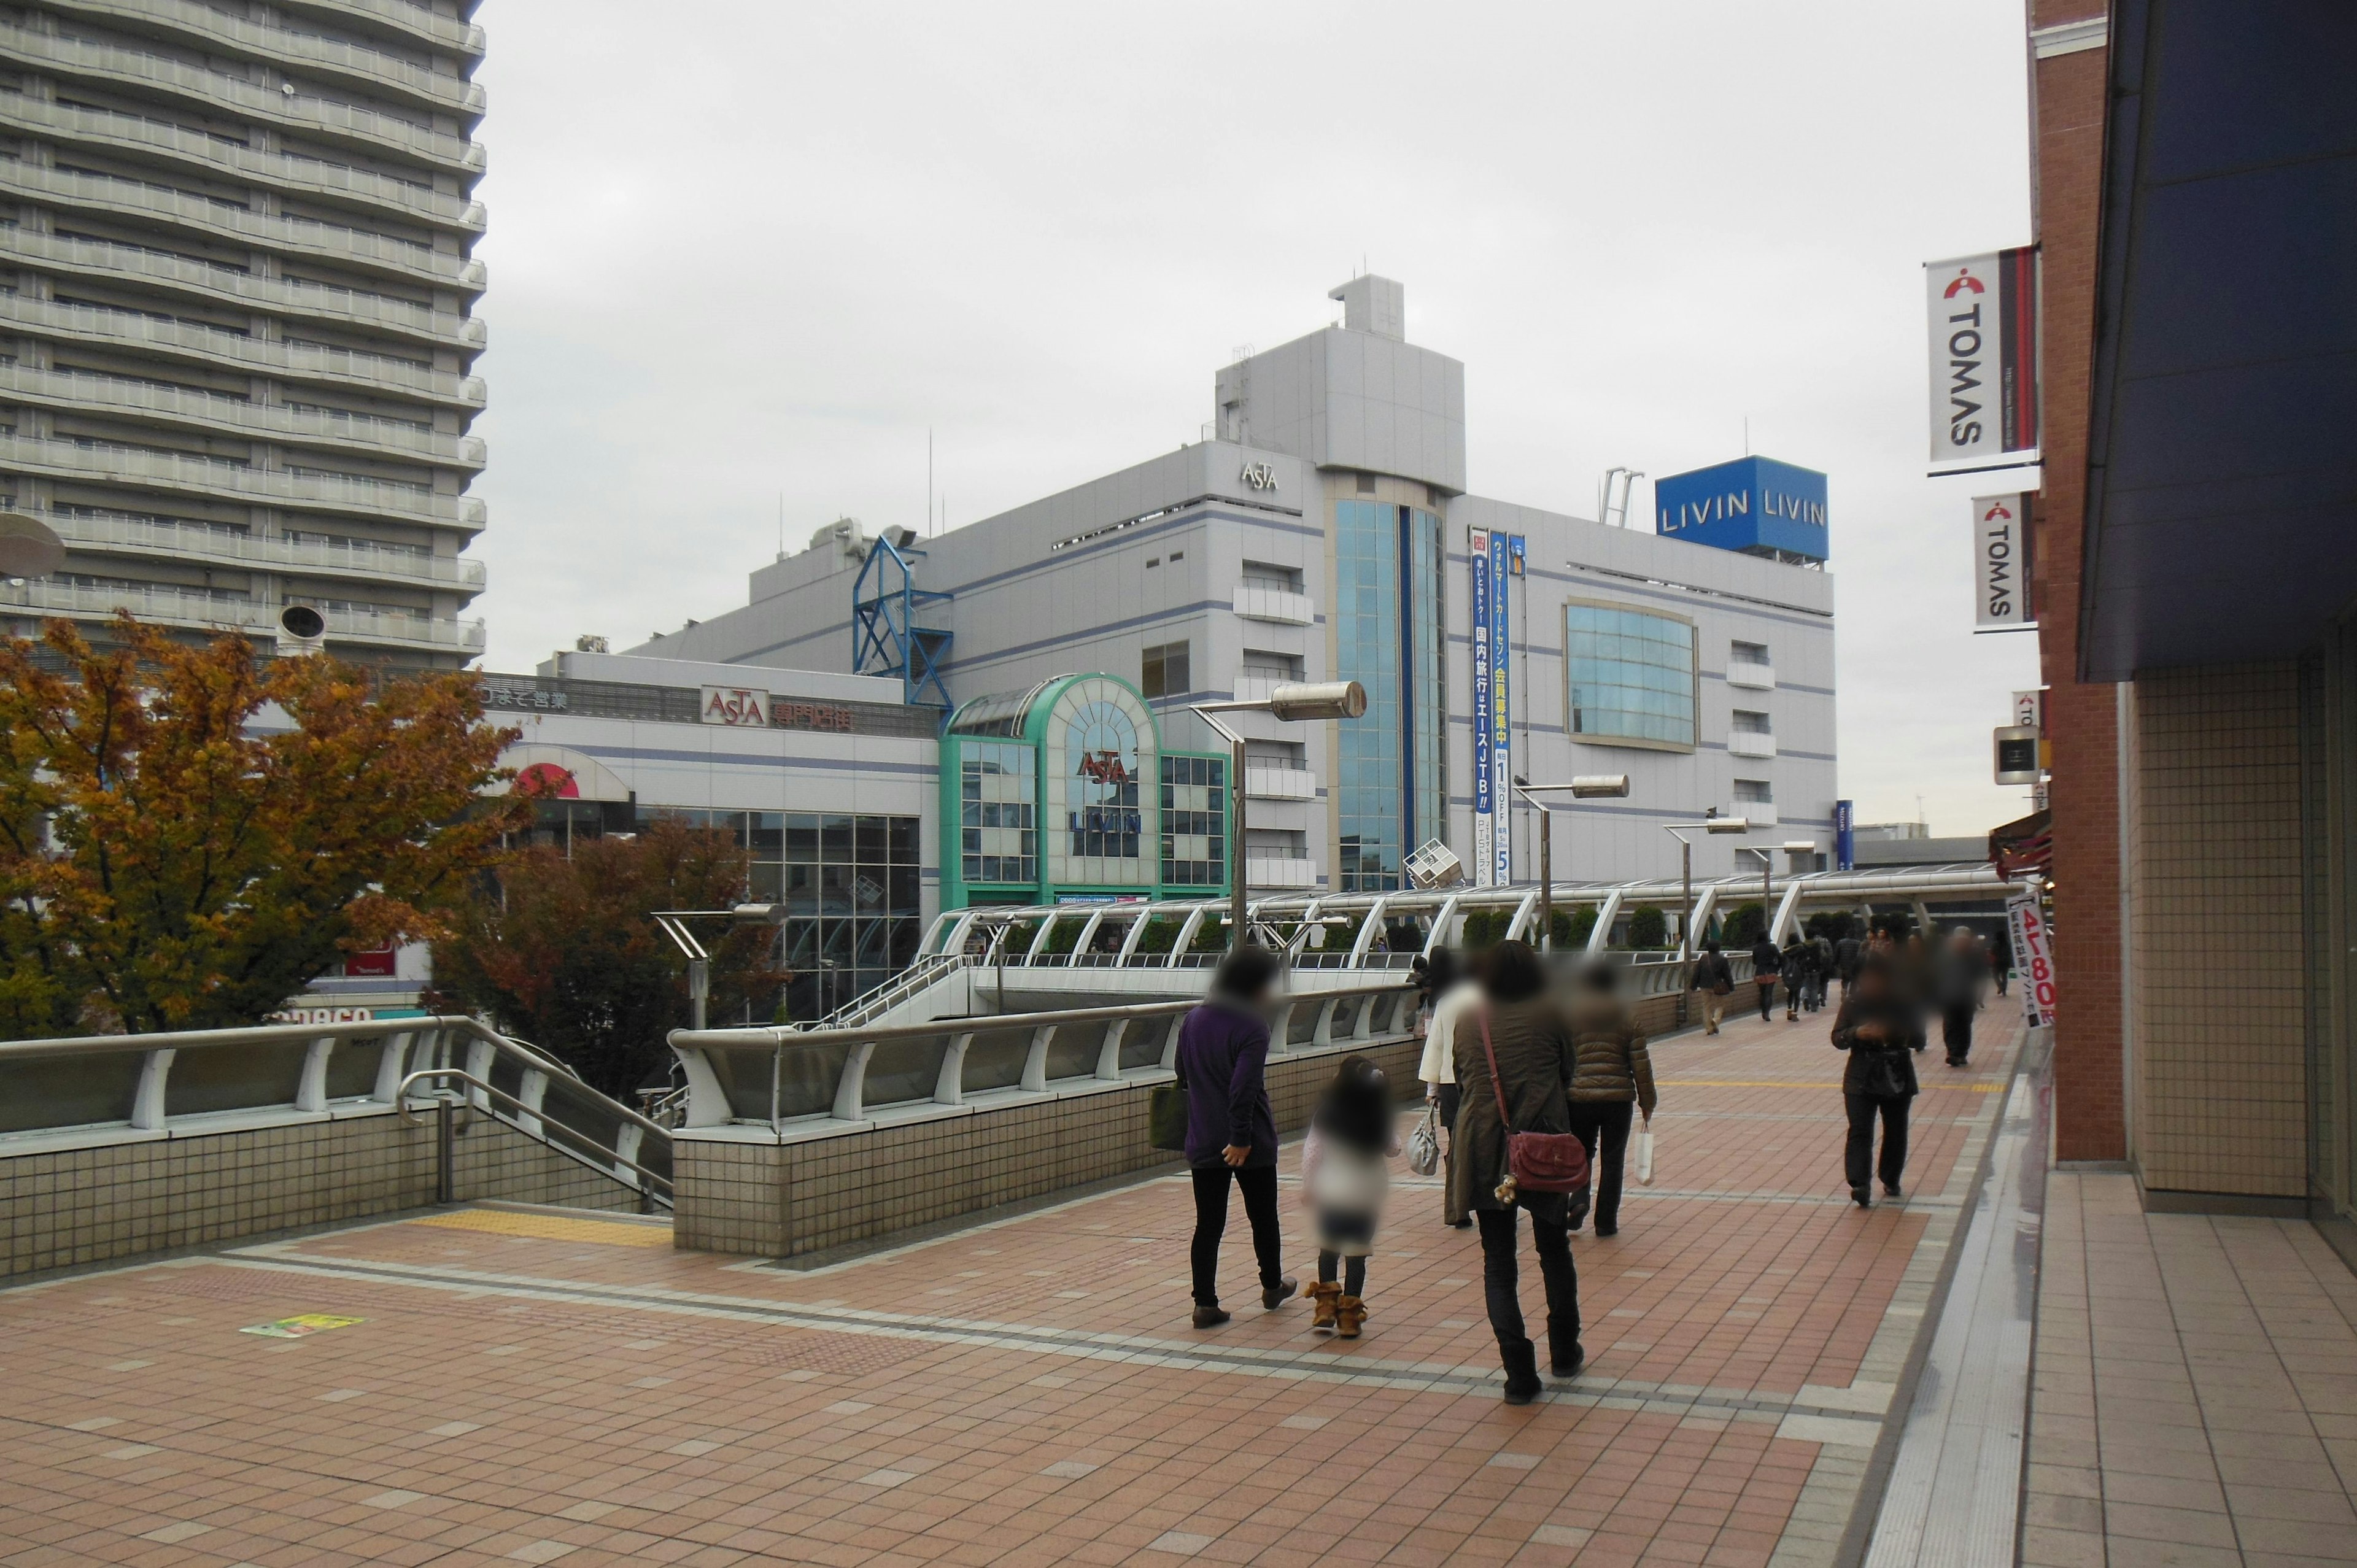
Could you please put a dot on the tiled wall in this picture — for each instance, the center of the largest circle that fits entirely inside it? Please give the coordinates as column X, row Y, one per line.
column 119, row 1200
column 773, row 1201
column 2214, row 872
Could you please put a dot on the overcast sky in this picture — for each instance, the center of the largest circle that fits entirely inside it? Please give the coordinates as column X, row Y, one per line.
column 741, row 248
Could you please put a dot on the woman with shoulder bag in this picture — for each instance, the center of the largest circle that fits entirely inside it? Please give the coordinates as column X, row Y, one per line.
column 1881, row 1029
column 1513, row 1152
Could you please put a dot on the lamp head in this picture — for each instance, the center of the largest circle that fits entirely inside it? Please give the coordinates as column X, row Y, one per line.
column 1727, row 825
column 1313, row 700
column 1599, row 786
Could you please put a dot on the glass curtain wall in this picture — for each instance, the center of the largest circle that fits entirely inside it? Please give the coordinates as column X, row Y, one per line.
column 1387, row 638
column 849, row 886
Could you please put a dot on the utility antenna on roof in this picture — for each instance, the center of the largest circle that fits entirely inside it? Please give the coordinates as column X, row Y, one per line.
column 781, row 525
column 929, row 478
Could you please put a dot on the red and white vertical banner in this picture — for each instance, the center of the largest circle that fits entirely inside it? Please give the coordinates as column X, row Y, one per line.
column 2033, row 959
column 2002, row 566
column 1984, row 348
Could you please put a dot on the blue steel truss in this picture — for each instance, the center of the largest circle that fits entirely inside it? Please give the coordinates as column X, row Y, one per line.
column 885, row 637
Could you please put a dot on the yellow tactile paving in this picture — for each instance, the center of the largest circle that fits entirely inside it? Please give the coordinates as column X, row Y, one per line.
column 551, row 1227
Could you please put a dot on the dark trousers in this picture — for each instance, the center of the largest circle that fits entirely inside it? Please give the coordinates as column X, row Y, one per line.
column 1604, row 1123
column 1501, row 1279
column 1858, row 1155
column 1351, row 1271
column 1767, row 998
column 1259, row 1185
column 1956, row 1029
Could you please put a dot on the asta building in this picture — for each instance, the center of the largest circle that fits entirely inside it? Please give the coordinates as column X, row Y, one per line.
column 237, row 328
column 1326, row 532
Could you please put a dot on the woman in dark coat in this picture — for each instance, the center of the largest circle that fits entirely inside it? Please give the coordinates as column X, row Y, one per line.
column 1881, row 1028
column 1536, row 1062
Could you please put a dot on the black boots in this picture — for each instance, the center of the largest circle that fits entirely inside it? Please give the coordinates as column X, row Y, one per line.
column 1523, row 1383
column 1565, row 1362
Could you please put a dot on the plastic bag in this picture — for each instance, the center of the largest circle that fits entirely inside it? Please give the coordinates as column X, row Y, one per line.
column 1645, row 1154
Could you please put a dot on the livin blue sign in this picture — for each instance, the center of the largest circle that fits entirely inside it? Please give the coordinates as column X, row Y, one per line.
column 1753, row 504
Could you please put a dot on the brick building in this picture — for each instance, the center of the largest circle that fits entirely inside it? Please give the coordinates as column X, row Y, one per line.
column 2195, row 182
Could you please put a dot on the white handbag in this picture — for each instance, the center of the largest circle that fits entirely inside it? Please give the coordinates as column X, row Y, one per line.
column 1423, row 1144
column 1645, row 1154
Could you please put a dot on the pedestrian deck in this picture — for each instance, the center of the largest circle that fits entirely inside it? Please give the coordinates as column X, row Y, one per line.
column 526, row 1385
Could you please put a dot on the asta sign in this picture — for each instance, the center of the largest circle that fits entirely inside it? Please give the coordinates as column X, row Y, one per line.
column 1984, row 344
column 735, row 706
column 2001, row 565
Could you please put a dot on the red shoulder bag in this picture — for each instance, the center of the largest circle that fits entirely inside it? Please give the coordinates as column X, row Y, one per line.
column 1536, row 1161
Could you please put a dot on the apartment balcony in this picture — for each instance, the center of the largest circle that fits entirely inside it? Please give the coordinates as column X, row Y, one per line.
column 1278, row 604
column 236, row 417
column 175, row 473
column 1280, row 784
column 1751, row 743
column 167, row 606
column 138, row 539
column 297, row 236
column 403, row 17
column 57, row 122
column 1751, row 675
column 216, row 32
column 211, row 91
column 374, row 313
column 1279, row 870
column 234, row 350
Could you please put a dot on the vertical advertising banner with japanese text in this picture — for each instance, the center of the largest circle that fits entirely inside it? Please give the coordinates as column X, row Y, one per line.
column 1484, row 801
column 1983, row 315
column 1501, row 663
column 2033, row 959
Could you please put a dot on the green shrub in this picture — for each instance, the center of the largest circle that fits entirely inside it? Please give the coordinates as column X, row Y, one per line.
column 1648, row 927
column 1743, row 925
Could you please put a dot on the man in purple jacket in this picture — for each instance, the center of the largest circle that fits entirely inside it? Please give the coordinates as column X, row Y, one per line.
column 1230, row 1131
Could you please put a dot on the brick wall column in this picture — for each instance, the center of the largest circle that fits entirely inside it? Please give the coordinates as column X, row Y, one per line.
column 2083, row 720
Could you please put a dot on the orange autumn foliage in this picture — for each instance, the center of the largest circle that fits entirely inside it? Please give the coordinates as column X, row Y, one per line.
column 188, row 839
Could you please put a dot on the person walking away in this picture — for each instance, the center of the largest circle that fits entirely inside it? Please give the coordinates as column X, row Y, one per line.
column 1881, row 1030
column 1765, row 962
column 1344, row 1175
column 1453, row 991
column 1821, row 970
column 1792, row 964
column 1956, row 979
column 2000, row 956
column 1612, row 1077
column 1714, row 978
column 1230, row 1131
column 1526, row 1034
column 1848, row 953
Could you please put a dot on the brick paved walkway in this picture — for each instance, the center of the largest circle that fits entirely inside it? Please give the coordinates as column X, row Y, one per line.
column 527, row 1385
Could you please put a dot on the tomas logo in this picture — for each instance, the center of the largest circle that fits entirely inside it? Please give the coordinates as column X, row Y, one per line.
column 1964, row 281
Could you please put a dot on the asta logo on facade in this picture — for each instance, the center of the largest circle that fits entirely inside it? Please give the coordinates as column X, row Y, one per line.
column 735, row 706
column 1259, row 476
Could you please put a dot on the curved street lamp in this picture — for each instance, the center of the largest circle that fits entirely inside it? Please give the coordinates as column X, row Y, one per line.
column 1582, row 786
column 1298, row 702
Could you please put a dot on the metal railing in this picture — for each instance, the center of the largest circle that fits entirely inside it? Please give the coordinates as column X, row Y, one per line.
column 191, row 608
column 375, row 313
column 210, row 476
column 781, row 1078
column 333, row 241
column 916, row 977
column 452, row 33
column 133, row 1088
column 138, row 537
column 219, row 346
column 356, row 64
column 211, row 89
column 653, row 1186
column 101, row 127
column 382, row 438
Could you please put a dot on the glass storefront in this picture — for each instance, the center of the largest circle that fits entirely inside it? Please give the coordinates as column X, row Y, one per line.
column 850, row 887
column 1387, row 619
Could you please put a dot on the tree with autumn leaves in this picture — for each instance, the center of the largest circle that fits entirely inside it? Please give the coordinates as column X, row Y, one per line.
column 188, row 837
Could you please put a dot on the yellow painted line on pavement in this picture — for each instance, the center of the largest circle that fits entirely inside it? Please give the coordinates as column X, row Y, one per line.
column 552, row 1227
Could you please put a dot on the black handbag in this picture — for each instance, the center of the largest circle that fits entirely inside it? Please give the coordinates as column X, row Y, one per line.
column 1882, row 1076
column 1166, row 1116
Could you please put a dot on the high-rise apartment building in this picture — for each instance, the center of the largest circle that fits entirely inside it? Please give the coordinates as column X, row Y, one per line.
column 236, row 319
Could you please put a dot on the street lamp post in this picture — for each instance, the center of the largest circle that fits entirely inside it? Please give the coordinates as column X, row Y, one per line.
column 1297, row 704
column 1679, row 831
column 699, row 961
column 1583, row 786
column 1767, row 863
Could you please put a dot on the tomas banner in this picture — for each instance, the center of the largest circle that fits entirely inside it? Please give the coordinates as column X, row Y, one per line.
column 1983, row 325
